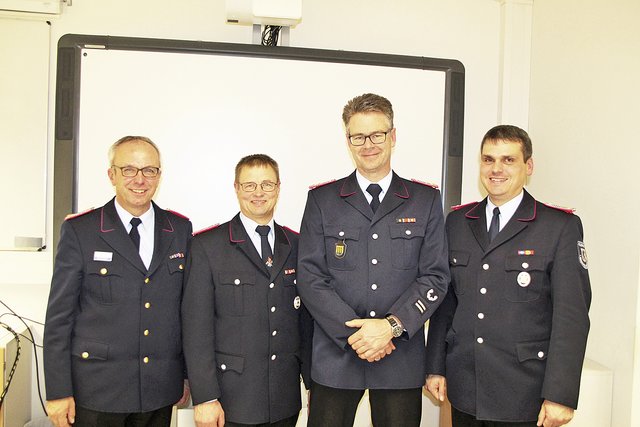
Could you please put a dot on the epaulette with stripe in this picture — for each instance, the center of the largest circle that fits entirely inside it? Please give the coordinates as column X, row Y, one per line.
column 322, row 184
column 178, row 214
column 76, row 215
column 457, row 207
column 211, row 227
column 428, row 184
column 291, row 230
column 560, row 208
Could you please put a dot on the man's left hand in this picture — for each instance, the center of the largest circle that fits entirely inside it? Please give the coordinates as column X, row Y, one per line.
column 554, row 414
column 372, row 338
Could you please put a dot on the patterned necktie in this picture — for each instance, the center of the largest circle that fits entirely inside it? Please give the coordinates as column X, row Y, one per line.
column 494, row 228
column 374, row 190
column 267, row 254
column 134, row 234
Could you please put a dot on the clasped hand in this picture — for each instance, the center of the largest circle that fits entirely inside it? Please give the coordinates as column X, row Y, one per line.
column 372, row 340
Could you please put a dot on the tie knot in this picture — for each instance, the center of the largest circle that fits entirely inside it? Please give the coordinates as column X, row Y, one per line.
column 374, row 190
column 263, row 230
column 496, row 211
column 135, row 222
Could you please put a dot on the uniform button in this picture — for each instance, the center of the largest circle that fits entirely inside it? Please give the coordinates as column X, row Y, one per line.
column 271, row 285
column 525, row 265
column 483, row 291
column 103, row 271
column 274, row 333
column 273, row 309
column 374, row 286
column 341, row 233
column 146, row 332
column 236, row 282
column 273, row 357
column 85, row 355
column 223, row 367
column 146, row 280
column 480, row 340
column 295, row 281
column 480, row 315
column 372, row 313
column 541, row 354
column 374, row 236
column 455, row 260
column 181, row 267
column 374, row 261
column 407, row 232
column 146, row 359
column 147, row 305
column 485, row 266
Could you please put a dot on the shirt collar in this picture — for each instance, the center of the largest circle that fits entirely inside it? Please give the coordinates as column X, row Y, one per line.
column 507, row 210
column 384, row 183
column 147, row 218
column 250, row 225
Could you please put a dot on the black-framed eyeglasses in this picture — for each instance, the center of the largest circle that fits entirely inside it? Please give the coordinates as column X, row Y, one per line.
column 375, row 138
column 266, row 186
column 131, row 171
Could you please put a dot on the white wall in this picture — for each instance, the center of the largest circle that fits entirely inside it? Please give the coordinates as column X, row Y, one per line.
column 466, row 30
column 583, row 123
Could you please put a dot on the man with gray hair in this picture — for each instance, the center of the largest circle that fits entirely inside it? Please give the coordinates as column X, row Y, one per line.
column 112, row 343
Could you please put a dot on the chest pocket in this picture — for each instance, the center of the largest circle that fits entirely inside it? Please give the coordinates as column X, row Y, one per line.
column 234, row 293
column 341, row 246
column 525, row 278
column 103, row 280
column 406, row 241
column 458, row 262
column 176, row 266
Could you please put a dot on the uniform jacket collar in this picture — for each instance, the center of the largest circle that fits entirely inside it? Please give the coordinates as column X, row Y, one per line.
column 282, row 247
column 396, row 196
column 113, row 232
column 476, row 216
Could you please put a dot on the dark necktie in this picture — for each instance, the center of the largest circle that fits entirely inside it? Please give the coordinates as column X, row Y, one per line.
column 267, row 254
column 374, row 190
column 494, row 228
column 135, row 236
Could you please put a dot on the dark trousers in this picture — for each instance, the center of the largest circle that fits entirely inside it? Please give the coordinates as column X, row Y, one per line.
column 332, row 407
column 287, row 422
column 88, row 418
column 462, row 419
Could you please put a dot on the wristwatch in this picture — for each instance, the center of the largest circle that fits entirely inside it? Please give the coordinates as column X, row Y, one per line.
column 396, row 327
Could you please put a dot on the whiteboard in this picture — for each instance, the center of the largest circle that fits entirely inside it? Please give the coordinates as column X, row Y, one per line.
column 205, row 111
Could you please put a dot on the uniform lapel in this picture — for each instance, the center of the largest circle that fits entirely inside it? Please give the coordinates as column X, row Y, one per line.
column 163, row 235
column 113, row 232
column 238, row 237
column 478, row 223
column 352, row 194
column 281, row 250
column 396, row 195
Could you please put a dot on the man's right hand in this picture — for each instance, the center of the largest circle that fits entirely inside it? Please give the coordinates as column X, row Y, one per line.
column 437, row 386
column 209, row 414
column 62, row 412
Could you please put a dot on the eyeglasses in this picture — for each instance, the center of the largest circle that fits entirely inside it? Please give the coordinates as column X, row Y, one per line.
column 266, row 186
column 375, row 138
column 130, row 171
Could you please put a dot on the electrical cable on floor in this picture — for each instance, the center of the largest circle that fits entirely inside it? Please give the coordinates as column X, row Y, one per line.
column 35, row 352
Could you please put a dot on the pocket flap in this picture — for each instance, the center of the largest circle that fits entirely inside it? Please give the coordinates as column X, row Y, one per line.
column 532, row 350
column 406, row 231
column 176, row 265
column 86, row 349
column 229, row 362
column 237, row 278
column 524, row 263
column 102, row 268
column 341, row 232
column 458, row 258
